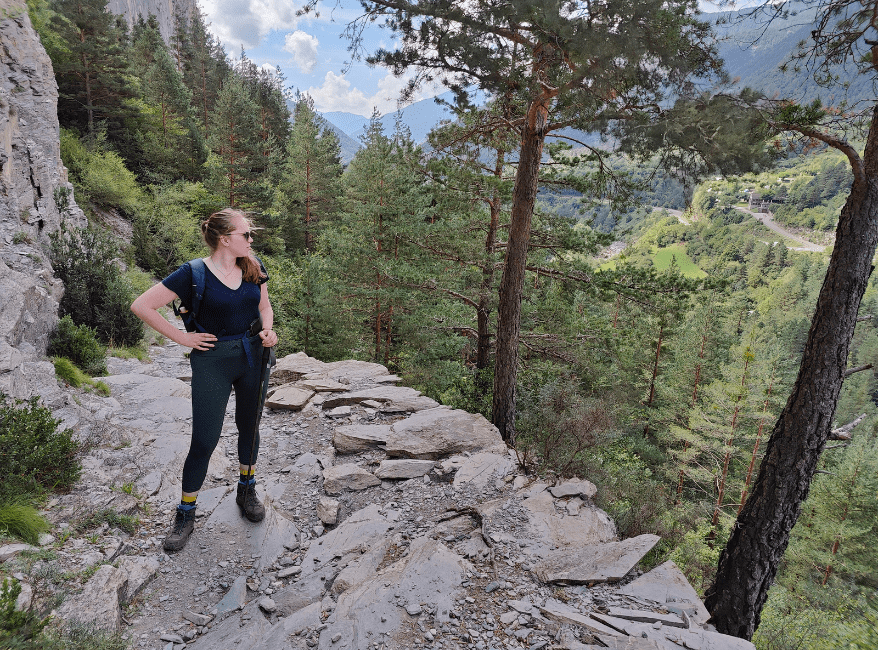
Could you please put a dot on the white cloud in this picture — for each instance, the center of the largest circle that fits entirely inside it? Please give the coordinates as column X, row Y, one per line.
column 337, row 94
column 303, row 47
column 245, row 22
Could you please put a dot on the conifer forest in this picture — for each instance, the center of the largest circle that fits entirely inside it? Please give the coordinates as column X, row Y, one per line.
column 641, row 273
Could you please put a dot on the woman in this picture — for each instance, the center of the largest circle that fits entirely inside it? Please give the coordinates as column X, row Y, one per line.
column 224, row 354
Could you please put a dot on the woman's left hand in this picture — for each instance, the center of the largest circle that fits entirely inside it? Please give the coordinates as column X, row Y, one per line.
column 269, row 338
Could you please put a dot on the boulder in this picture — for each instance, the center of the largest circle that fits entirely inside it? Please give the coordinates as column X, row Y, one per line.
column 574, row 488
column 352, row 370
column 295, row 366
column 339, row 478
column 608, row 562
column 353, row 438
column 98, row 604
column 400, row 395
column 436, row 432
column 405, row 468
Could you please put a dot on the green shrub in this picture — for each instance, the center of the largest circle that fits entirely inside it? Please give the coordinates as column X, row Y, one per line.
column 22, row 520
column 67, row 371
column 108, row 516
column 18, row 630
column 99, row 174
column 78, row 343
column 36, row 457
column 96, row 293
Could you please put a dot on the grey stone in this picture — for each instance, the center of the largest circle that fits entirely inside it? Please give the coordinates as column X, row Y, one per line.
column 198, row 619
column 295, row 366
column 436, row 432
column 574, row 487
column 339, row 478
column 353, row 370
column 321, row 385
column 234, row 598
column 170, row 637
column 642, row 616
column 558, row 611
column 289, row 571
column 338, row 411
column 362, row 568
column 277, row 638
column 352, row 438
column 45, row 539
column 327, row 510
column 544, row 528
column 667, row 585
column 430, row 576
column 386, row 395
column 508, row 617
column 230, row 633
column 25, row 597
column 404, row 469
column 11, row 550
column 308, row 465
column 266, row 604
column 140, row 571
column 98, row 604
column 289, row 397
column 606, row 562
column 573, row 506
column 479, row 469
column 149, row 484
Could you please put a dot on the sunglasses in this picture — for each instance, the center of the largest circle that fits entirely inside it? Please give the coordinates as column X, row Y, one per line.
column 247, row 235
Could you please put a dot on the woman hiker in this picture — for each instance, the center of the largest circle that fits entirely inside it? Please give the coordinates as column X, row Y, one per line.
column 224, row 354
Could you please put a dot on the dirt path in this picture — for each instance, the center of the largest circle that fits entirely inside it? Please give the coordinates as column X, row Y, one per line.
column 766, row 219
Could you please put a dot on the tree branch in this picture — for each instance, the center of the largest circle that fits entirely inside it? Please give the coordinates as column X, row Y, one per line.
column 844, row 433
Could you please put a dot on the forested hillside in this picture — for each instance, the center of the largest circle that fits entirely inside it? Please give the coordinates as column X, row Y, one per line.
column 657, row 373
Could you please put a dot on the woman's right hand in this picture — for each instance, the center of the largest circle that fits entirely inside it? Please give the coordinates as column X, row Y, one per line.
column 197, row 340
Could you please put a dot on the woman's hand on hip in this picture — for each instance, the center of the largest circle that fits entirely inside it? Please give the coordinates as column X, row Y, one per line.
column 269, row 338
column 197, row 340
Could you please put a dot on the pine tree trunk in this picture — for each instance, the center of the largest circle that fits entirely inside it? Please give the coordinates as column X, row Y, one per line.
column 511, row 286
column 483, row 345
column 760, row 535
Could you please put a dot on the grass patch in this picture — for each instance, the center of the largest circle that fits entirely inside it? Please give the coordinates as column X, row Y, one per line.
column 663, row 257
column 67, row 371
column 138, row 352
column 108, row 516
column 20, row 519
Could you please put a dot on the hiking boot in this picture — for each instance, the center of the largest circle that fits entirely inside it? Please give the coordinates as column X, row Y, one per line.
column 184, row 523
column 249, row 503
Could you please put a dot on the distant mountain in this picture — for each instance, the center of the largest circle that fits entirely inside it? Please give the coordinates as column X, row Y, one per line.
column 349, row 146
column 348, row 123
column 754, row 51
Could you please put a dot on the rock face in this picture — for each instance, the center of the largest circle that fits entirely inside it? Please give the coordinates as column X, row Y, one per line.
column 35, row 198
column 163, row 10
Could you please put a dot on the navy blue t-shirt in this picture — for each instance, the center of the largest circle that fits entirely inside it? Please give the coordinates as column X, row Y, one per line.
column 223, row 312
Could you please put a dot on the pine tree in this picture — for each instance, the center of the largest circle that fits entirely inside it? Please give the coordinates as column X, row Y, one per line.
column 235, row 146
column 309, row 188
column 92, row 83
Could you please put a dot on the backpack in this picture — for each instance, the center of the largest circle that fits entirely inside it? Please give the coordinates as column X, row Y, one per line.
column 190, row 312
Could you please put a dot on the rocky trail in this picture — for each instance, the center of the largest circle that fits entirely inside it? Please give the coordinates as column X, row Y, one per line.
column 392, row 522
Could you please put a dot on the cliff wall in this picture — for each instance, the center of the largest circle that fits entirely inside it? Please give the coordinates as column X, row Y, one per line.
column 35, row 197
column 163, row 10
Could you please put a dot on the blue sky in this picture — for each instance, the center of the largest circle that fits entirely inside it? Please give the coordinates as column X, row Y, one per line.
column 311, row 51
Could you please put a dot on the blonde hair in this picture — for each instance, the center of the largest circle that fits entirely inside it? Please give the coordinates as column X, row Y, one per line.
column 221, row 224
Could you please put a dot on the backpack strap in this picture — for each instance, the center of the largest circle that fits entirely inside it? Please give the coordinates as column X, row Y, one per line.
column 190, row 313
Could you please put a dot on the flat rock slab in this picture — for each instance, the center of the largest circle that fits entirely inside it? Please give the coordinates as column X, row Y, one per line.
column 230, row 633
column 574, row 488
column 307, row 465
column 361, row 568
column 544, row 527
column 403, row 469
column 277, row 637
column 430, row 576
column 352, row 370
column 353, row 438
column 667, row 585
column 289, row 397
column 146, row 388
column 673, row 638
column 480, row 469
column 627, row 643
column 383, row 394
column 339, row 412
column 606, row 562
column 322, row 385
column 564, row 613
column 643, row 616
column 98, row 604
column 349, row 476
column 266, row 538
column 437, row 432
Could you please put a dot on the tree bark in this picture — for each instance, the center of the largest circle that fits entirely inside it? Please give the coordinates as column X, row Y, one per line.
column 761, row 533
column 512, row 283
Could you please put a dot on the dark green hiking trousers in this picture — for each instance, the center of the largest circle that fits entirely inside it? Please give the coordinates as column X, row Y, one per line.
column 214, row 373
